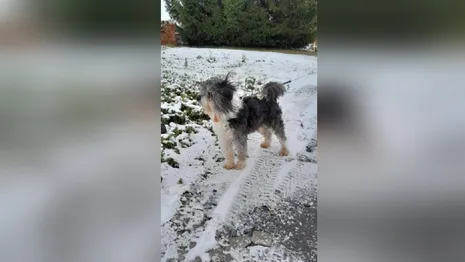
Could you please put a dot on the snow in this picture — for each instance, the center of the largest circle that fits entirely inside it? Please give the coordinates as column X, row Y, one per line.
column 251, row 70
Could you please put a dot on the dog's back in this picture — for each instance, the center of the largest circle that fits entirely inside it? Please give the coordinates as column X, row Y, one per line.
column 259, row 111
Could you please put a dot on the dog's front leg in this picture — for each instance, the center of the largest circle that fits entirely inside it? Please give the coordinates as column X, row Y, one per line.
column 240, row 142
column 228, row 151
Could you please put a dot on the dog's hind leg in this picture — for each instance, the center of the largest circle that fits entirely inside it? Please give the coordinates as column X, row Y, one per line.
column 240, row 142
column 278, row 128
column 266, row 133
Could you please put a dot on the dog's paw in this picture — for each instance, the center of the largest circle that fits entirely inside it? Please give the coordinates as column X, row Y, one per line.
column 229, row 166
column 240, row 165
column 264, row 145
column 284, row 152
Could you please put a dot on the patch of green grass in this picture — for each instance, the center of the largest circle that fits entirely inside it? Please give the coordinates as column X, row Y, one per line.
column 191, row 130
column 195, row 116
column 180, row 88
column 167, row 144
column 186, row 142
column 180, row 182
column 176, row 132
column 170, row 161
column 178, row 119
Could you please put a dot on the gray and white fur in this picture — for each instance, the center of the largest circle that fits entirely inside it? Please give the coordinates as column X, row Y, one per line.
column 234, row 118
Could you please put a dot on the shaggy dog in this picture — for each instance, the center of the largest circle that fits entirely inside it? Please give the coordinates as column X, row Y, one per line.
column 234, row 118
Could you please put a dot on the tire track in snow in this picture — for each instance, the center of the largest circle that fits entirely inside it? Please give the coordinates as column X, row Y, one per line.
column 255, row 190
column 301, row 176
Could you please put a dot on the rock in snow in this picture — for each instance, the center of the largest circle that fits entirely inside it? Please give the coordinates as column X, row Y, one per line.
column 262, row 238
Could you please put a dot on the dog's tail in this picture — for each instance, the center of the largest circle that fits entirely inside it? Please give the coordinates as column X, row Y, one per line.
column 272, row 91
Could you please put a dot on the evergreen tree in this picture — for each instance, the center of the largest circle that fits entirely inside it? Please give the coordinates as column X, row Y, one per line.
column 232, row 9
column 245, row 23
column 170, row 6
column 293, row 21
column 200, row 21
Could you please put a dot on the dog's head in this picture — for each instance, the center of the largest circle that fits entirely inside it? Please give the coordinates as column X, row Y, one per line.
column 217, row 97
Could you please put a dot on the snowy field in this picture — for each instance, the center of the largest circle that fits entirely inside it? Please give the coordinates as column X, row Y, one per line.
column 266, row 212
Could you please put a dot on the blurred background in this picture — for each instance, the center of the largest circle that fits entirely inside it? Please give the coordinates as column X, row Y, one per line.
column 79, row 134
column 391, row 131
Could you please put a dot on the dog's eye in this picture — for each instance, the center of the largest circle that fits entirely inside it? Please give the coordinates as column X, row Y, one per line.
column 198, row 98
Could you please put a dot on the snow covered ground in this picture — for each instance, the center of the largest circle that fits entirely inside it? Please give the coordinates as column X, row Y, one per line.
column 266, row 212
